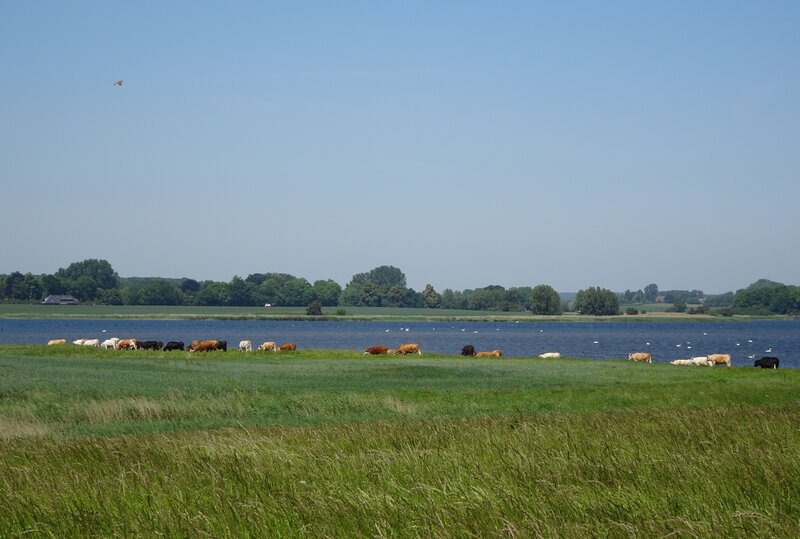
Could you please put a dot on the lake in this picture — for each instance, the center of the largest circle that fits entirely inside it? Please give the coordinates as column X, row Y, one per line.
column 597, row 340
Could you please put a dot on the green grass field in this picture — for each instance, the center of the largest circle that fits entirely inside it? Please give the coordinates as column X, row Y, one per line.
column 656, row 312
column 332, row 443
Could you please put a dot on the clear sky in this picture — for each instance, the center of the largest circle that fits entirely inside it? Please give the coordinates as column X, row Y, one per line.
column 574, row 144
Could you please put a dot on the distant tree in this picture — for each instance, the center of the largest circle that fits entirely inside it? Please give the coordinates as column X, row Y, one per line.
column 109, row 297
column 14, row 286
column 211, row 293
column 371, row 295
column 720, row 300
column 52, row 285
column 545, row 300
column 159, row 291
column 327, row 292
column 395, row 296
column 383, row 276
column 189, row 286
column 84, row 287
column 240, row 293
column 352, row 295
column 430, row 298
column 679, row 304
column 314, row 308
column 100, row 271
column 597, row 302
column 296, row 292
column 650, row 292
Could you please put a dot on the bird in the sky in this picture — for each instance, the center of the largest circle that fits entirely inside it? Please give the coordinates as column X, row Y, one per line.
column 118, row 83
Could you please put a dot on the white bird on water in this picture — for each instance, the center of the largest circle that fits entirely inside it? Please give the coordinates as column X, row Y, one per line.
column 768, row 350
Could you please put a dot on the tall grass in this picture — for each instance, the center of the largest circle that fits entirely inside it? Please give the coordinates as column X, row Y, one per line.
column 698, row 473
column 332, row 443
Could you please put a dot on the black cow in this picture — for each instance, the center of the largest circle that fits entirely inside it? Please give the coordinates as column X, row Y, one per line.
column 149, row 345
column 223, row 345
column 468, row 350
column 767, row 362
column 173, row 345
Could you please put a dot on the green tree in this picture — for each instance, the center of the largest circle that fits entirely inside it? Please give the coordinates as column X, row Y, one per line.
column 100, row 271
column 240, row 293
column 52, row 285
column 430, row 298
column 296, row 292
column 314, row 308
column 327, row 292
column 545, row 300
column 597, row 302
column 650, row 292
column 159, row 291
column 211, row 293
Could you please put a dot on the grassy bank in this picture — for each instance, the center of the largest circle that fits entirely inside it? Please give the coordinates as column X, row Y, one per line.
column 329, row 313
column 331, row 443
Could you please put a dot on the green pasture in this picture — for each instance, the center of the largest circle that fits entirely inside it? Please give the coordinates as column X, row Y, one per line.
column 11, row 310
column 333, row 443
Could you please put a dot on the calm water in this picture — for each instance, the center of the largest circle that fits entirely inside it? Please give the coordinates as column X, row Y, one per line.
column 597, row 340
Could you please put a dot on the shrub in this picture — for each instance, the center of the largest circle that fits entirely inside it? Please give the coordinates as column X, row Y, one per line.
column 314, row 308
column 631, row 311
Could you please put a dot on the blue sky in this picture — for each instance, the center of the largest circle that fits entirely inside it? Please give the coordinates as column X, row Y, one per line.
column 574, row 144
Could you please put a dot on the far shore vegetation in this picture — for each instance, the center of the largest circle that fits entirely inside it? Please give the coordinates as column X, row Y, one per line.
column 331, row 443
column 380, row 292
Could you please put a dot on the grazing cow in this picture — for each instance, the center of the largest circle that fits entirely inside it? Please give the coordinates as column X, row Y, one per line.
column 208, row 346
column 468, row 350
column 702, row 361
column 110, row 343
column 245, row 346
column 640, row 356
column 173, row 345
column 682, row 362
column 91, row 342
column 127, row 344
column 550, row 355
column 267, row 346
column 287, row 346
column 149, row 345
column 407, row 349
column 56, row 341
column 376, row 350
column 493, row 353
column 720, row 359
column 767, row 362
column 79, row 342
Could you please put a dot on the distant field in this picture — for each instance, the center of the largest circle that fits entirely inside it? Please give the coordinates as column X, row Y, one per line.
column 333, row 443
column 362, row 313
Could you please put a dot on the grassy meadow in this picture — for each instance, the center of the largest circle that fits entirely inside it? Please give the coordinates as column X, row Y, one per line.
column 655, row 312
column 332, row 443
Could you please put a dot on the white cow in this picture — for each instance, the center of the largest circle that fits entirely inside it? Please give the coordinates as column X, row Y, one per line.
column 91, row 342
column 550, row 355
column 702, row 361
column 245, row 346
column 79, row 342
column 682, row 362
column 110, row 343
column 266, row 346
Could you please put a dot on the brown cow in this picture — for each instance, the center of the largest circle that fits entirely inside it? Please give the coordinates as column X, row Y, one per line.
column 493, row 353
column 376, row 350
column 56, row 341
column 266, row 346
column 209, row 345
column 640, row 356
column 287, row 346
column 720, row 359
column 127, row 344
column 407, row 349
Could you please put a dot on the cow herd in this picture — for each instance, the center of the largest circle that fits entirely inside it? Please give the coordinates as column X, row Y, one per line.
column 209, row 345
column 203, row 345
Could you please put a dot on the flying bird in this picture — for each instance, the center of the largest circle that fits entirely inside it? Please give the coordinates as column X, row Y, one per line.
column 118, row 83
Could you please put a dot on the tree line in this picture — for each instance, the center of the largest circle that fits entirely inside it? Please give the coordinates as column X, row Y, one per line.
column 95, row 281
